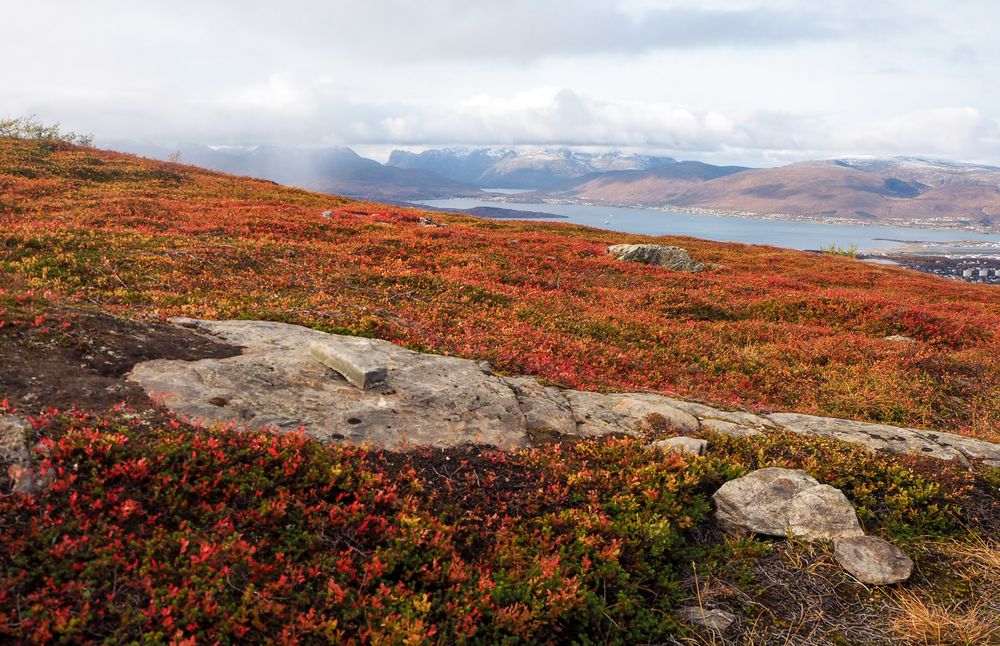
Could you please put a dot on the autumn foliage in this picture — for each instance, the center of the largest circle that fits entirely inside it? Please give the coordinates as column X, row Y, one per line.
column 154, row 531
column 163, row 532
column 768, row 329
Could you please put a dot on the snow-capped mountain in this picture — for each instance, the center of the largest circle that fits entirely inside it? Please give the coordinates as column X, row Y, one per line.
column 511, row 168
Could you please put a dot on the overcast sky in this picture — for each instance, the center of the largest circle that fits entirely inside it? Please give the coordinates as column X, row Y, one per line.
column 744, row 81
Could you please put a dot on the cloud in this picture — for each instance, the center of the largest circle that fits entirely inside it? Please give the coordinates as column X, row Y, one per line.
column 942, row 131
column 724, row 79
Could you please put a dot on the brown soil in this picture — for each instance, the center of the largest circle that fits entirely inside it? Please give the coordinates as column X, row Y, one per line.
column 84, row 367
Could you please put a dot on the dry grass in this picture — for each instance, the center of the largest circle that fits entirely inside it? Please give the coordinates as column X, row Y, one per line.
column 921, row 621
column 798, row 595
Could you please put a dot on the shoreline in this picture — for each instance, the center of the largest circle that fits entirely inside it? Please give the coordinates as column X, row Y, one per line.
column 749, row 215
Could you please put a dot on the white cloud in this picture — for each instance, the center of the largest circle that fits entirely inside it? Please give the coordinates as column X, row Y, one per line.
column 728, row 80
column 942, row 131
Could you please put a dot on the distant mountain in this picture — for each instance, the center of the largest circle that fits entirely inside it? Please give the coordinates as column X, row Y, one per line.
column 905, row 191
column 510, row 168
column 330, row 170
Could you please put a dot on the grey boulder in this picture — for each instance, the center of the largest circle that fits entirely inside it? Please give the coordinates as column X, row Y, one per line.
column 667, row 256
column 785, row 502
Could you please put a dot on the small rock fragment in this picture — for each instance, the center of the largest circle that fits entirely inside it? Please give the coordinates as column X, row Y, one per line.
column 711, row 618
column 689, row 445
column 354, row 366
column 15, row 454
column 13, row 440
column 872, row 560
column 899, row 338
column 327, row 214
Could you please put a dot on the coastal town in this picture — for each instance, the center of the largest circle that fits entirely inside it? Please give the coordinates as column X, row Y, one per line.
column 973, row 261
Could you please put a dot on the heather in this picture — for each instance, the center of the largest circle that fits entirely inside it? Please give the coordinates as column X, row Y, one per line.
column 153, row 530
column 156, row 531
column 766, row 329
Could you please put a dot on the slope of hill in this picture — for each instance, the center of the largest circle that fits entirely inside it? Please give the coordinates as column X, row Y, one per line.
column 510, row 168
column 330, row 170
column 678, row 339
column 904, row 191
column 142, row 527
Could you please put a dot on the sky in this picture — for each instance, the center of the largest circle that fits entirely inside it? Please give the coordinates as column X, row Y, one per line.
column 725, row 81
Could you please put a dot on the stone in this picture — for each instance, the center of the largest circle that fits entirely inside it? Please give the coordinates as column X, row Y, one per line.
column 595, row 415
column 682, row 444
column 327, row 214
column 784, row 502
column 276, row 383
column 711, row 618
column 354, row 361
column 14, row 444
column 872, row 560
column 899, row 338
column 893, row 439
column 667, row 256
column 16, row 439
column 705, row 412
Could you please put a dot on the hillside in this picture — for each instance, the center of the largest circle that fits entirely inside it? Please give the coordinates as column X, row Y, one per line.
column 902, row 192
column 144, row 526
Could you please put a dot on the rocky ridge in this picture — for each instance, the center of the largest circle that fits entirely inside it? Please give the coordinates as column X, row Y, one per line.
column 283, row 380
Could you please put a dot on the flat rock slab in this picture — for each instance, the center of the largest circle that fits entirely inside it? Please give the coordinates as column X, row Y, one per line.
column 278, row 383
column 783, row 502
column 872, row 560
column 894, row 439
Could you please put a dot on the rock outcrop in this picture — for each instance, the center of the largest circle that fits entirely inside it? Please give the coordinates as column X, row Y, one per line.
column 367, row 391
column 785, row 502
column 667, row 256
column 893, row 439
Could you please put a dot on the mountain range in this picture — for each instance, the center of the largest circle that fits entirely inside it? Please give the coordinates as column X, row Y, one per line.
column 905, row 191
column 510, row 168
column 328, row 170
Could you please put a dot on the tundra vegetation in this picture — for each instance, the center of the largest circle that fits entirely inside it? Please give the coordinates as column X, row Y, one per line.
column 154, row 530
